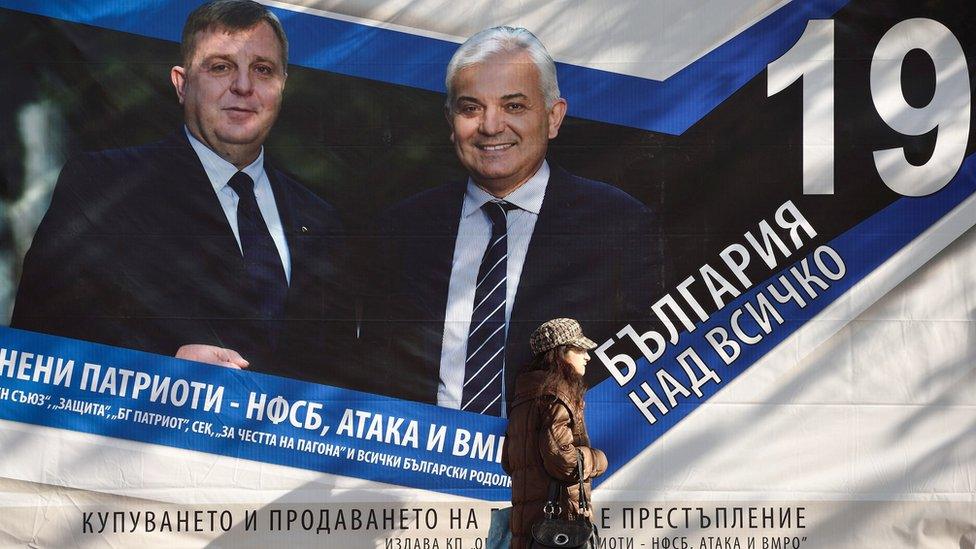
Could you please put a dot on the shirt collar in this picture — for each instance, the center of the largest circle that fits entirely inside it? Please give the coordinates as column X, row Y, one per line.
column 527, row 197
column 219, row 171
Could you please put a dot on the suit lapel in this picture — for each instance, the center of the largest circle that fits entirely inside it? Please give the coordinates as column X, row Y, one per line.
column 184, row 233
column 290, row 224
column 196, row 192
column 197, row 213
column 444, row 216
column 542, row 264
column 193, row 193
column 555, row 217
column 424, row 242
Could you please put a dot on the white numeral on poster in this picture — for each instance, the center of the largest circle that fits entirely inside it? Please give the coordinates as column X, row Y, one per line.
column 948, row 112
column 812, row 58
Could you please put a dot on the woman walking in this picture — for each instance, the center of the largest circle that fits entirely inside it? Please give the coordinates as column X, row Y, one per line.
column 547, row 435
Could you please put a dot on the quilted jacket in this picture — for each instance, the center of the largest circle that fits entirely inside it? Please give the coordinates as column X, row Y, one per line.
column 544, row 431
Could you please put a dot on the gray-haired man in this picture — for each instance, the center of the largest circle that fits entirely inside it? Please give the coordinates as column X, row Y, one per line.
column 473, row 267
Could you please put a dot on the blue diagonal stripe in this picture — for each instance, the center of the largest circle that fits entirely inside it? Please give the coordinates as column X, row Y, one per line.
column 354, row 49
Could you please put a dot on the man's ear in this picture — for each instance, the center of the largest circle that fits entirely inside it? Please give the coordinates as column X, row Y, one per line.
column 177, row 76
column 450, row 121
column 556, row 115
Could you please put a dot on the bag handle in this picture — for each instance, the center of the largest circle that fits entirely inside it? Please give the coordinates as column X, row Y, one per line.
column 552, row 507
column 583, row 503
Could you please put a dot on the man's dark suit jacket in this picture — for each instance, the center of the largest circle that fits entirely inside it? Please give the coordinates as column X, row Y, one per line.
column 592, row 257
column 135, row 251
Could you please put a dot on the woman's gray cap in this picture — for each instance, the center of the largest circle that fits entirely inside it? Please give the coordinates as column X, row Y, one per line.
column 556, row 332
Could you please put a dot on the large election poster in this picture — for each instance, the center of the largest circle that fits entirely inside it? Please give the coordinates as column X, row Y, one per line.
column 761, row 211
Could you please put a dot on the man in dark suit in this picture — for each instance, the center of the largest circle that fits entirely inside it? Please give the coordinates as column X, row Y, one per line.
column 194, row 246
column 469, row 270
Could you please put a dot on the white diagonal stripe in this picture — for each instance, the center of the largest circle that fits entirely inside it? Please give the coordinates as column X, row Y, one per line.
column 490, row 270
column 483, row 410
column 474, row 375
column 500, row 326
column 491, row 291
column 500, row 238
column 490, row 381
column 500, row 305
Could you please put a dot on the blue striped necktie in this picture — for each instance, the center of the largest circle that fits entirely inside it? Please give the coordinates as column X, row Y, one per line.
column 485, row 363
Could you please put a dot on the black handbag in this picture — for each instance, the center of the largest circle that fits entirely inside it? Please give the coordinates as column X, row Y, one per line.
column 557, row 533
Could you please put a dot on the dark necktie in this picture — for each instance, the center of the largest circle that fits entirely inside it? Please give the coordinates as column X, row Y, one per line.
column 485, row 362
column 267, row 285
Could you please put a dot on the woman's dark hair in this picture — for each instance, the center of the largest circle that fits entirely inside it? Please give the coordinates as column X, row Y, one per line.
column 559, row 373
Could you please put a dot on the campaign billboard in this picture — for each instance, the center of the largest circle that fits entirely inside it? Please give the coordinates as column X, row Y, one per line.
column 760, row 212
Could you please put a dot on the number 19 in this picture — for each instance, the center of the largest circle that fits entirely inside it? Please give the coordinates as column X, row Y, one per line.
column 812, row 58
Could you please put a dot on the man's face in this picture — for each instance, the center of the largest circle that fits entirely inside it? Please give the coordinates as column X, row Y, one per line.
column 231, row 90
column 500, row 125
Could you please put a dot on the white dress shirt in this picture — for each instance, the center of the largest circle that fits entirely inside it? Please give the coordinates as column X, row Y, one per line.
column 219, row 171
column 474, row 231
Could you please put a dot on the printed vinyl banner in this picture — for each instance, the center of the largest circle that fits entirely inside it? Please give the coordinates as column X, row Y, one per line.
column 253, row 301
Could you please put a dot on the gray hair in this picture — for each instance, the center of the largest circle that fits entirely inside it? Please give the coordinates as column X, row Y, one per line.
column 499, row 40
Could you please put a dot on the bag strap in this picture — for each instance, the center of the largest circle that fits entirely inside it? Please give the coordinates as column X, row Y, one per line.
column 583, row 503
column 552, row 508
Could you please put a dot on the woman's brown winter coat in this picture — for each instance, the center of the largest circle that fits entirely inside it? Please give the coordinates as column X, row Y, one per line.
column 544, row 431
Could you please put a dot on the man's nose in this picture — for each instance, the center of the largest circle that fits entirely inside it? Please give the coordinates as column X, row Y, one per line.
column 242, row 84
column 492, row 122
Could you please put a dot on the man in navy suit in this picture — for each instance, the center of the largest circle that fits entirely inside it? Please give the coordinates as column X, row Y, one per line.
column 469, row 270
column 195, row 246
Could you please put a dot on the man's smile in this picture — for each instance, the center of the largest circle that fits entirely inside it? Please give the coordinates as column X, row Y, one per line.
column 495, row 147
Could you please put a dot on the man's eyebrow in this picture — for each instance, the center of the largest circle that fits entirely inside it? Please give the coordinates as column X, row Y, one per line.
column 506, row 97
column 262, row 59
column 227, row 57
column 218, row 57
column 221, row 56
